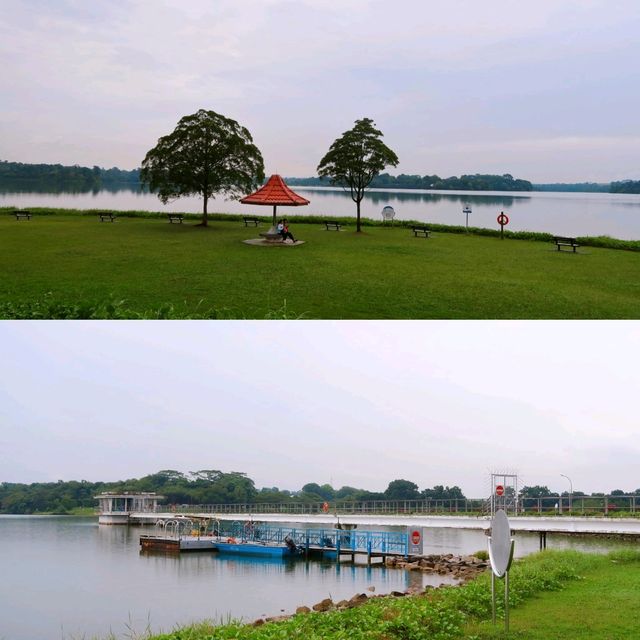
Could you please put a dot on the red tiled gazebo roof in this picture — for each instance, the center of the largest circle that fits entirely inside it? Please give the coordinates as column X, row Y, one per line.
column 275, row 192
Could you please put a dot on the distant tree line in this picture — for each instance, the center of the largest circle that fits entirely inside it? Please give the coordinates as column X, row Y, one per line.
column 57, row 176
column 211, row 486
column 475, row 182
column 208, row 486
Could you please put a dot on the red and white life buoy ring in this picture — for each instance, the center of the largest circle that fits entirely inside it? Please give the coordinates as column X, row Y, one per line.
column 503, row 219
column 325, row 507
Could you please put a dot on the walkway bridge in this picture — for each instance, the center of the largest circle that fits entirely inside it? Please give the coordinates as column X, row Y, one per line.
column 564, row 516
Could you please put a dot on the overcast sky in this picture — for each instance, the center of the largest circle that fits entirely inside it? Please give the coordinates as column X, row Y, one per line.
column 546, row 90
column 350, row 403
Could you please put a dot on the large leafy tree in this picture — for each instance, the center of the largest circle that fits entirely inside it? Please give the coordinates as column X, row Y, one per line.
column 402, row 490
column 324, row 492
column 207, row 154
column 355, row 159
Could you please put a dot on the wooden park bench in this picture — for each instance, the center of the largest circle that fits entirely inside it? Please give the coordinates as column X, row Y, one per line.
column 107, row 215
column 22, row 215
column 566, row 242
column 175, row 217
column 332, row 225
column 423, row 231
column 249, row 220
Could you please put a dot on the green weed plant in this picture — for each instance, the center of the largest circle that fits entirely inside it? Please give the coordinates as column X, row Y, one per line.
column 436, row 614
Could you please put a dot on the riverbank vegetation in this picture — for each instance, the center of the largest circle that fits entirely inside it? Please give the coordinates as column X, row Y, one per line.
column 72, row 266
column 552, row 595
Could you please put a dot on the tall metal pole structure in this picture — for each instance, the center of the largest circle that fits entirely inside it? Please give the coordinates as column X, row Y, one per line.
column 570, row 491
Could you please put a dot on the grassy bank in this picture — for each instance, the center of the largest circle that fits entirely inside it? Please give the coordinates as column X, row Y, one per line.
column 603, row 604
column 72, row 266
column 553, row 595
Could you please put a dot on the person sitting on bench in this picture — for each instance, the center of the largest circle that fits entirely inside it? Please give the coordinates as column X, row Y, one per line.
column 283, row 228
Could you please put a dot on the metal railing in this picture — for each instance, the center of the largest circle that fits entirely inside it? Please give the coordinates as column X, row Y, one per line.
column 607, row 505
column 340, row 507
column 391, row 542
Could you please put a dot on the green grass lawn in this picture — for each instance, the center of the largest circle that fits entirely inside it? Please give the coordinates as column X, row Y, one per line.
column 189, row 271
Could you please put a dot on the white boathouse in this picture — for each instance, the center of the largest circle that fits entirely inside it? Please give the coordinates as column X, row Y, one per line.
column 115, row 508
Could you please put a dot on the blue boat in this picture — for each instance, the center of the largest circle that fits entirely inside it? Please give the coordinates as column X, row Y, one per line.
column 253, row 548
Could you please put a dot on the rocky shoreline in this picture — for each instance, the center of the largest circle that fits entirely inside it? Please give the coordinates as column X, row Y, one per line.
column 460, row 568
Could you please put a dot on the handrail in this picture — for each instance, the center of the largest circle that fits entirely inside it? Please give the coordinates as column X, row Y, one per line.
column 544, row 505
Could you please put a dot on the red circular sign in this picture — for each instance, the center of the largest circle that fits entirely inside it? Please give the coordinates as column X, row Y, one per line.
column 415, row 537
column 503, row 219
column 499, row 490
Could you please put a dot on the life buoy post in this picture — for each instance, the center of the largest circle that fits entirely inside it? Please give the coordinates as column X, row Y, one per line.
column 503, row 220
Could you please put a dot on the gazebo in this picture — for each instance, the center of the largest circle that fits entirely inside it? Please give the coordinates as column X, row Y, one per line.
column 274, row 193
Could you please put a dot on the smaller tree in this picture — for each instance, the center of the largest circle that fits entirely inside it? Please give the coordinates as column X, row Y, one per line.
column 536, row 491
column 355, row 159
column 206, row 154
column 443, row 493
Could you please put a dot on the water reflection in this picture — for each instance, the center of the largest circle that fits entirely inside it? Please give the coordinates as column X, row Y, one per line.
column 570, row 214
column 382, row 196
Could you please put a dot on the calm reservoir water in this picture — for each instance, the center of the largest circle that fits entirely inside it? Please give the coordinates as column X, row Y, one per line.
column 65, row 577
column 572, row 214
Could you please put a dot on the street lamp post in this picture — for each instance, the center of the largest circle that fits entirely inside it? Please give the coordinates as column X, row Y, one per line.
column 570, row 491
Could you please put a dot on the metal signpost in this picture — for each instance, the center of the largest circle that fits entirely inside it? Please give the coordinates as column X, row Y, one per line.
column 504, row 493
column 501, row 547
column 467, row 211
column 503, row 220
column 414, row 541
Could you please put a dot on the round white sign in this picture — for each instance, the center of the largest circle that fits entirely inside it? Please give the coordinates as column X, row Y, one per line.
column 500, row 544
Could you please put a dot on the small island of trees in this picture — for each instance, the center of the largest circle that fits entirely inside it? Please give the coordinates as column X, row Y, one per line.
column 473, row 182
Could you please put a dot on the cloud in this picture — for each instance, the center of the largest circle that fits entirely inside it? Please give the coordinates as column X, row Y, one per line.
column 97, row 83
